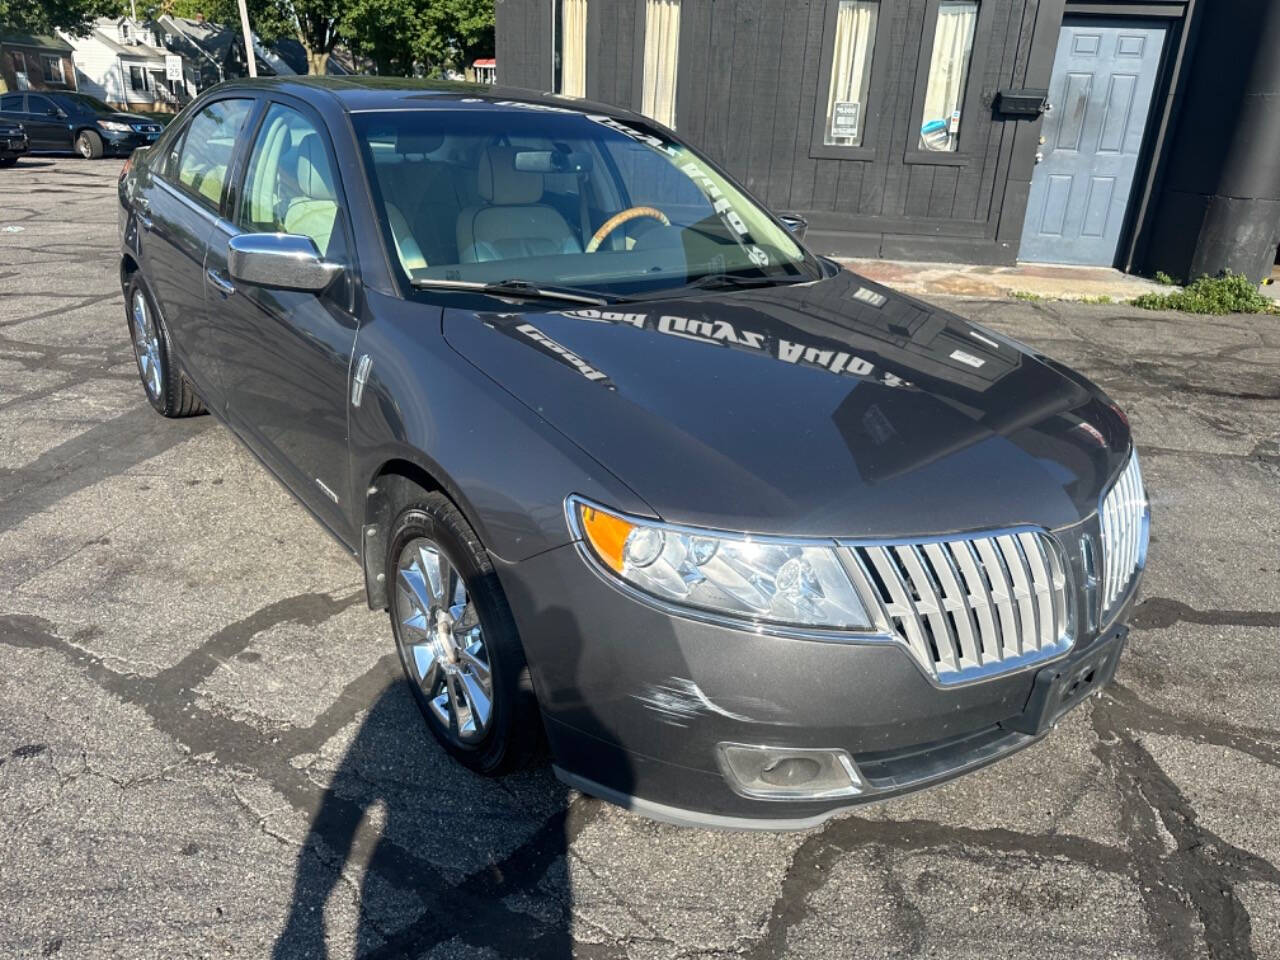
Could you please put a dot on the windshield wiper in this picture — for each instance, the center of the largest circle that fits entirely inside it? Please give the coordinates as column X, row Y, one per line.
column 722, row 281
column 515, row 289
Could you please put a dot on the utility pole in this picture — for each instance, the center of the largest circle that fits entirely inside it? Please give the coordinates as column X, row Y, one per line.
column 250, row 60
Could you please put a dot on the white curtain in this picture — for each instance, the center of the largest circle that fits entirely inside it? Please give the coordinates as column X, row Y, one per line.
column 948, row 72
column 573, row 48
column 661, row 56
column 851, row 67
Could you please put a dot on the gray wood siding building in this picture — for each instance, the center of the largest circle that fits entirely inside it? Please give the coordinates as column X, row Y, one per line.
column 753, row 87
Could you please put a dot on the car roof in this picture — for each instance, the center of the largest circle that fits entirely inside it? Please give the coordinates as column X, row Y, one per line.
column 360, row 93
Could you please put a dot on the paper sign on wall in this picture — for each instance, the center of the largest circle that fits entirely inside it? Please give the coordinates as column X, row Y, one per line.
column 846, row 116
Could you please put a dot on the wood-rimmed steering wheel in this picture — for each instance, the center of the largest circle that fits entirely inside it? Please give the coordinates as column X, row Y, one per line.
column 618, row 219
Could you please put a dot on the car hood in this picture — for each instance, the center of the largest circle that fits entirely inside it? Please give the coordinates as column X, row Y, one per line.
column 834, row 408
column 125, row 118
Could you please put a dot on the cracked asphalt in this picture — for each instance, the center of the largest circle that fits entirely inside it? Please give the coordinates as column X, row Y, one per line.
column 206, row 751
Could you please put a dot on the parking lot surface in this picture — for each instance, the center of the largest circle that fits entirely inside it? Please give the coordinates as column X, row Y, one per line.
column 206, row 750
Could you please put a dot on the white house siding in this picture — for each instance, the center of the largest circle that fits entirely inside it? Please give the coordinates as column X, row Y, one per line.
column 98, row 69
column 103, row 71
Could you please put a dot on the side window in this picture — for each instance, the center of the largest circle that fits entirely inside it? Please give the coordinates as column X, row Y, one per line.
column 12, row 103
column 290, row 186
column 855, row 39
column 570, row 58
column 948, row 75
column 206, row 150
column 52, row 69
column 39, row 106
column 661, row 59
column 21, row 74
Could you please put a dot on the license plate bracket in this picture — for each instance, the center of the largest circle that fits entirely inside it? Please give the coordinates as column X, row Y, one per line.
column 1059, row 688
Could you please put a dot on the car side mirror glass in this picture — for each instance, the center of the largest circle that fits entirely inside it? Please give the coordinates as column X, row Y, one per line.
column 797, row 225
column 284, row 261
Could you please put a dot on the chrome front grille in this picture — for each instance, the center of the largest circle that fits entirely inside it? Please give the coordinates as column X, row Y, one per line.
column 971, row 607
column 1124, row 524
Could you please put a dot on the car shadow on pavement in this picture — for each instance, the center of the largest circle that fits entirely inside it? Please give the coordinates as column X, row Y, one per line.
column 433, row 853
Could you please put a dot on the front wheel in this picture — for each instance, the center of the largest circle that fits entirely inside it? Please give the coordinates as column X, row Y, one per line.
column 8, row 161
column 457, row 639
column 167, row 389
column 89, row 145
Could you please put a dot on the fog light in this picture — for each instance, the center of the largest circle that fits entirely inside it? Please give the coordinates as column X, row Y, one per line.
column 786, row 773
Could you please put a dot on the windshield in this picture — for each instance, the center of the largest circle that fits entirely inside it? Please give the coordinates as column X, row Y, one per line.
column 559, row 198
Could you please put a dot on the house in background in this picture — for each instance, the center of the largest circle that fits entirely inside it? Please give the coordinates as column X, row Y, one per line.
column 30, row 62
column 119, row 62
column 214, row 52
column 1139, row 134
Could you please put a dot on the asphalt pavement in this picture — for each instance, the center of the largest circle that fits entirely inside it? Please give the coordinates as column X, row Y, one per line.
column 206, row 749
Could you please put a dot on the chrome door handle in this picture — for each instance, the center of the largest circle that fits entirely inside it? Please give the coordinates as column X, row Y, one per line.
column 220, row 283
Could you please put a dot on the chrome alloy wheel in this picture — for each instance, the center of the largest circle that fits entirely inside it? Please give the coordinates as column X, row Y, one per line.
column 146, row 345
column 441, row 640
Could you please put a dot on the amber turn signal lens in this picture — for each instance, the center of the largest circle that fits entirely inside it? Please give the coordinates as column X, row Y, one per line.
column 606, row 533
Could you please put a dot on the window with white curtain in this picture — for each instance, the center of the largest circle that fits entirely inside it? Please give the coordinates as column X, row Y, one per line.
column 661, row 57
column 948, row 74
column 571, row 48
column 855, row 40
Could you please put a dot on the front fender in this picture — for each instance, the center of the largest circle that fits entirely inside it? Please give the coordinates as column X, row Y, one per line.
column 506, row 468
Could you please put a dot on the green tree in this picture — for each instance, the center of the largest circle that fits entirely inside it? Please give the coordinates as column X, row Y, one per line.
column 312, row 22
column 457, row 32
column 469, row 26
column 385, row 31
column 270, row 19
column 45, row 16
column 317, row 23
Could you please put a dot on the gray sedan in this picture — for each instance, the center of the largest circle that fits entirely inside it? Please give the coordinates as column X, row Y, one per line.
column 741, row 538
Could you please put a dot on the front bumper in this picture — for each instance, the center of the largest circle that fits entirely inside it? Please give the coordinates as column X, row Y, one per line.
column 636, row 701
column 125, row 143
column 11, row 146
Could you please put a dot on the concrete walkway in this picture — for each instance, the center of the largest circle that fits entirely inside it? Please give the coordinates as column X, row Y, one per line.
column 1051, row 281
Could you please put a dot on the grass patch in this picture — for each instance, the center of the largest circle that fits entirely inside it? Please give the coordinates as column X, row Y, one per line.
column 1164, row 279
column 1225, row 293
column 1040, row 298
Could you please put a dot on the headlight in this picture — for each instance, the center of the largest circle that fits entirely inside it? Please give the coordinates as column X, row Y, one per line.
column 753, row 578
column 115, row 126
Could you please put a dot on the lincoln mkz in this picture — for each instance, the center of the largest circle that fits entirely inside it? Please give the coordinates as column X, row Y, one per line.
column 739, row 537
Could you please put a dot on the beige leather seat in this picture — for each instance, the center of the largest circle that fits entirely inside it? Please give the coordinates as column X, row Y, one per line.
column 314, row 211
column 511, row 222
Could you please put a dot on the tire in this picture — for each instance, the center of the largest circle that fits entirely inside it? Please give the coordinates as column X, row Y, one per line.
column 511, row 734
column 89, row 144
column 167, row 389
column 8, row 161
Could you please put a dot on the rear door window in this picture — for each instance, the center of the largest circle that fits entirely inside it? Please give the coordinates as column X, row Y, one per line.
column 205, row 155
column 13, row 103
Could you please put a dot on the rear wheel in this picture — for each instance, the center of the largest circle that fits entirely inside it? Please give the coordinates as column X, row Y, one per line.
column 167, row 389
column 457, row 639
column 89, row 144
column 8, row 161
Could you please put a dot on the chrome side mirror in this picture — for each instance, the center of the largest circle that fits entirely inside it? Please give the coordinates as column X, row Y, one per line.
column 285, row 261
column 797, row 225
